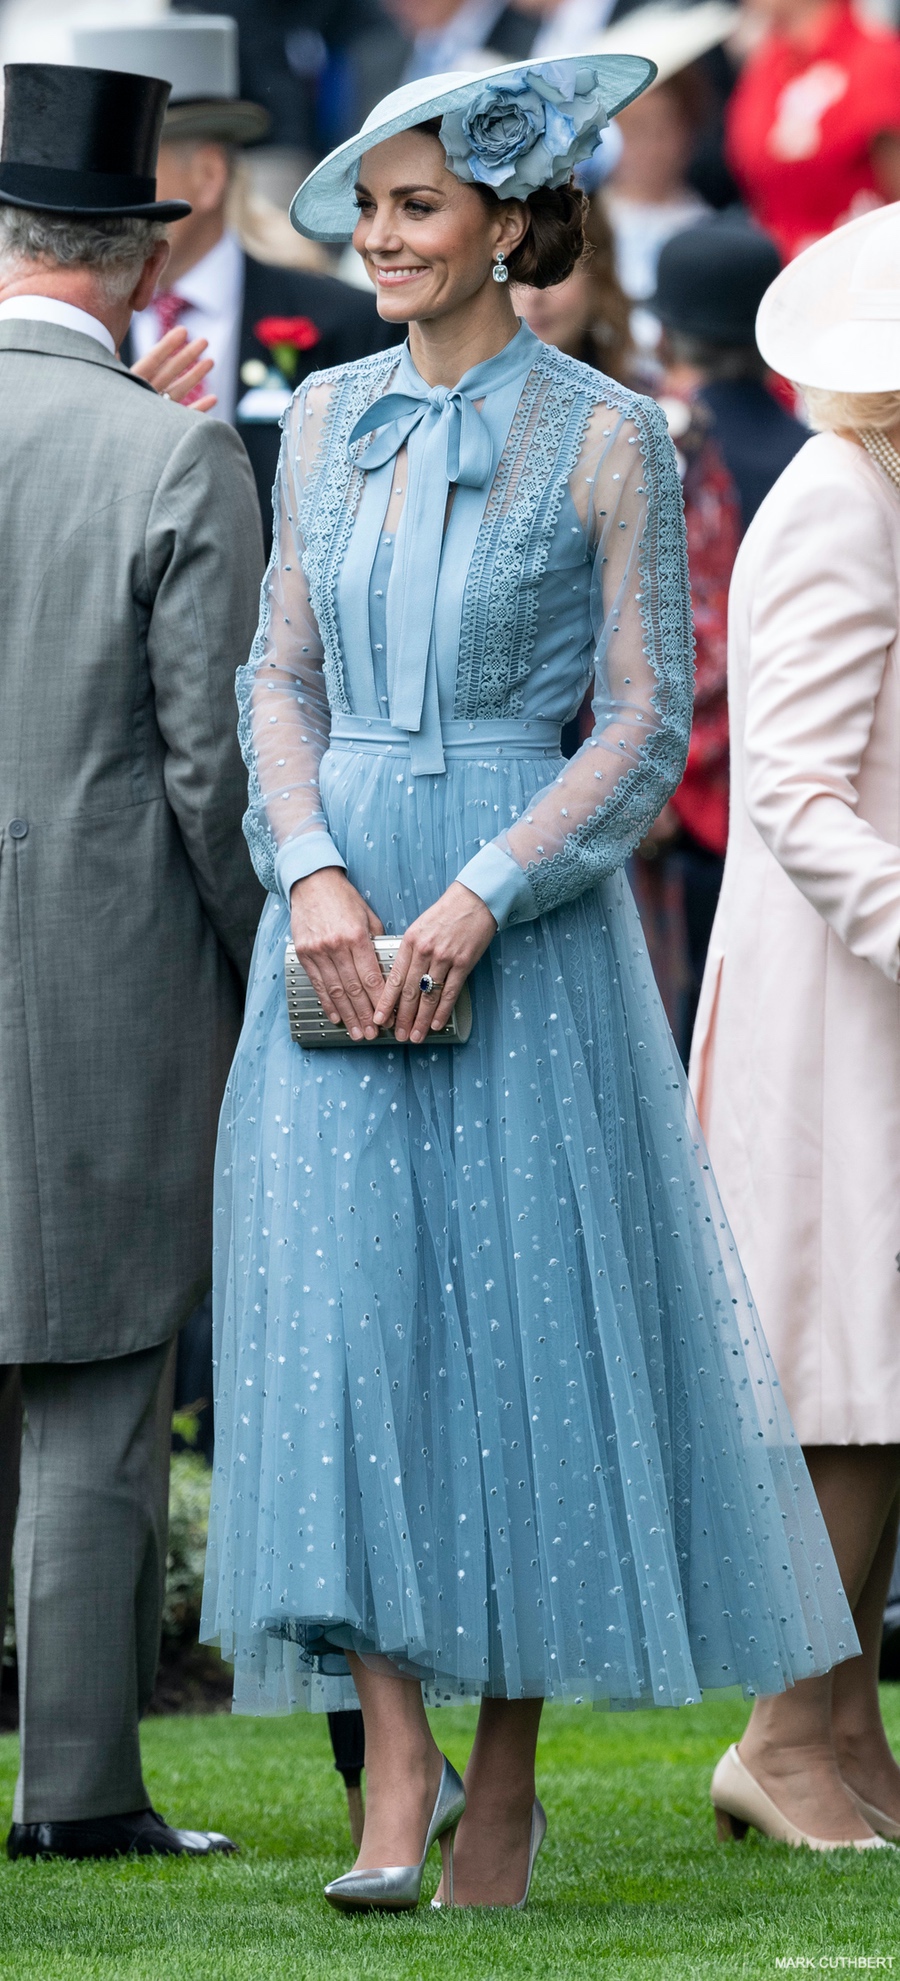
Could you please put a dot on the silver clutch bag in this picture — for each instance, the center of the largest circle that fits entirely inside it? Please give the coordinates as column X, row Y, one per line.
column 311, row 1028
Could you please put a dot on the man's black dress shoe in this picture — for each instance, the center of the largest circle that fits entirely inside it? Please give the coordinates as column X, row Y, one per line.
column 142, row 1833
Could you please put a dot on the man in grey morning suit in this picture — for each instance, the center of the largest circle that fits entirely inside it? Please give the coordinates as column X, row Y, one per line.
column 132, row 554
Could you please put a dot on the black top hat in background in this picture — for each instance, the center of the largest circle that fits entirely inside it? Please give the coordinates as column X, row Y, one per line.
column 711, row 279
column 83, row 142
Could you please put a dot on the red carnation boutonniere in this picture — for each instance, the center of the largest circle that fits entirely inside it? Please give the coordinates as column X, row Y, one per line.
column 286, row 338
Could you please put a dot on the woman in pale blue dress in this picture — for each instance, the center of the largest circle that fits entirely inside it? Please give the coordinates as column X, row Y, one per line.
column 494, row 1413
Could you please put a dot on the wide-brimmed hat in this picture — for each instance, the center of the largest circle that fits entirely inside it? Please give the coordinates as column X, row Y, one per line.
column 198, row 54
column 711, row 279
column 83, row 142
column 516, row 127
column 831, row 320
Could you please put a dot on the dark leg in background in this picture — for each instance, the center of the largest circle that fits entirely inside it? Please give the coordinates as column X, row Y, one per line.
column 348, row 1741
column 10, row 1451
column 194, row 1377
column 701, row 879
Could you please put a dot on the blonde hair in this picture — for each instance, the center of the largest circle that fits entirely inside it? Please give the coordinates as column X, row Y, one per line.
column 856, row 412
column 265, row 232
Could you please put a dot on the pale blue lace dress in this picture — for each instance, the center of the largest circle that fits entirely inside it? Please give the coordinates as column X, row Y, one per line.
column 492, row 1398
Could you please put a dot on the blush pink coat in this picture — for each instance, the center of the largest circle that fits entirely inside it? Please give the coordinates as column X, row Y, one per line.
column 796, row 1060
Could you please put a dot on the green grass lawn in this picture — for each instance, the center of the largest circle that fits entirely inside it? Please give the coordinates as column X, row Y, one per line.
column 630, row 1881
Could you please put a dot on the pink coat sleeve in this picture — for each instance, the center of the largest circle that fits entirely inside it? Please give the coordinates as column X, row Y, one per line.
column 823, row 621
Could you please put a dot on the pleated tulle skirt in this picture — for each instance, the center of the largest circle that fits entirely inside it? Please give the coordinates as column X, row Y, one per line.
column 492, row 1398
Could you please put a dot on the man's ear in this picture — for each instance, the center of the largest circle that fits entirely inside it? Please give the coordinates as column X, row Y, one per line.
column 148, row 280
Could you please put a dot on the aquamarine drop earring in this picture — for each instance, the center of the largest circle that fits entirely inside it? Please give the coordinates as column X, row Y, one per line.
column 500, row 272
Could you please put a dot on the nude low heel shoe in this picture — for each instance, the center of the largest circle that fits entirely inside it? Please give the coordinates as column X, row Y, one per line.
column 740, row 1804
column 876, row 1818
column 397, row 1887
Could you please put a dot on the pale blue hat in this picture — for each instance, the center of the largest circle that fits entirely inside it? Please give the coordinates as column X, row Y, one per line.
column 524, row 125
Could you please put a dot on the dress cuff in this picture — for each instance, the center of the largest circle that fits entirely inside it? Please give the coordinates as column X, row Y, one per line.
column 500, row 883
column 305, row 855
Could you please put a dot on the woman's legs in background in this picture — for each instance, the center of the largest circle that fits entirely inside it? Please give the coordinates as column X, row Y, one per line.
column 861, row 1745
column 403, row 1772
column 798, row 1744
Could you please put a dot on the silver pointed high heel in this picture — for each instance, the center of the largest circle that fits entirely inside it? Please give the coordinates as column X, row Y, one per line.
column 397, row 1887
column 538, row 1833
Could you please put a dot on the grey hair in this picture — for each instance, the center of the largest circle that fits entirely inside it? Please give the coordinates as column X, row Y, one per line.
column 113, row 249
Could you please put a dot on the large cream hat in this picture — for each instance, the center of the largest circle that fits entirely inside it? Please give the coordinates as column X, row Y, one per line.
column 831, row 319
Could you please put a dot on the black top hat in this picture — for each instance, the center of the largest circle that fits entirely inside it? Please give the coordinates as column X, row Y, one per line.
column 83, row 142
column 711, row 280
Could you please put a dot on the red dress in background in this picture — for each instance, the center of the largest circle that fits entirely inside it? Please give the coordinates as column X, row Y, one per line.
column 713, row 519
column 801, row 123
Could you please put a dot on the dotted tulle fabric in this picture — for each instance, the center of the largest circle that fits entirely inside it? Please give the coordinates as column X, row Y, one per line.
column 492, row 1399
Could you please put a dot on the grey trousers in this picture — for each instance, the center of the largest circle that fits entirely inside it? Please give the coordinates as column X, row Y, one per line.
column 90, row 1559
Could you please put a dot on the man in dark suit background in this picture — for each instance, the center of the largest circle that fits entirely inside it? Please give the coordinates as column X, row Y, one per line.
column 266, row 326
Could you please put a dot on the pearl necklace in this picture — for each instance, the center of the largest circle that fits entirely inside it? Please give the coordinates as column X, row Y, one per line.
column 880, row 450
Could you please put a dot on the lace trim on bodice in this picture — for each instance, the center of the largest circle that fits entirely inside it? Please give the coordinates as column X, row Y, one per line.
column 500, row 609
column 331, row 501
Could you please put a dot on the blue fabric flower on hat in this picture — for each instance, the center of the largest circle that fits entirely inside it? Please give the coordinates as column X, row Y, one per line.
column 529, row 132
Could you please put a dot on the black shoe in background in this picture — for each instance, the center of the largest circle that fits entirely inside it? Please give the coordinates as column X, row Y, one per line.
column 141, row 1834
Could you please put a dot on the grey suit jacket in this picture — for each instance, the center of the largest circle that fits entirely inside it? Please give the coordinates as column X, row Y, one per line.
column 129, row 572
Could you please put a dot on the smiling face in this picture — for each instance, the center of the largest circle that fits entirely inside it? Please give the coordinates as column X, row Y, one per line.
column 428, row 241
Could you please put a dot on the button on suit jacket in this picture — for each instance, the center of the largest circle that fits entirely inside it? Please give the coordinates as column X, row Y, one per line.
column 128, row 595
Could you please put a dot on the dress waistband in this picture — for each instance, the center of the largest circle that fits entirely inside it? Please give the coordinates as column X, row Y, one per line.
column 534, row 736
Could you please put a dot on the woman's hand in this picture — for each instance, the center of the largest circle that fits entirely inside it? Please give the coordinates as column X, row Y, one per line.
column 174, row 367
column 332, row 929
column 444, row 943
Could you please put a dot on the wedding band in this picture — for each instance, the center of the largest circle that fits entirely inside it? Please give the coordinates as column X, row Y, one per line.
column 428, row 986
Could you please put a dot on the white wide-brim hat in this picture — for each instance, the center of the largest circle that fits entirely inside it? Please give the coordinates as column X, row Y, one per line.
column 583, row 91
column 672, row 37
column 831, row 319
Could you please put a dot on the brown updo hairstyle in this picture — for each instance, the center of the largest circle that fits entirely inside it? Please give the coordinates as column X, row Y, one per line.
column 555, row 240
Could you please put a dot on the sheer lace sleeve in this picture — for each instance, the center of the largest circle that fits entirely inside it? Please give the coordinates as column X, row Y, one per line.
column 579, row 829
column 285, row 722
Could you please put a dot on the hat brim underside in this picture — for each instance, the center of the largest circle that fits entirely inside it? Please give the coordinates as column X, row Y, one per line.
column 164, row 210
column 215, row 119
column 324, row 209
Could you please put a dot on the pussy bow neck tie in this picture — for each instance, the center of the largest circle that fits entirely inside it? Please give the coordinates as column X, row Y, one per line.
column 448, row 443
